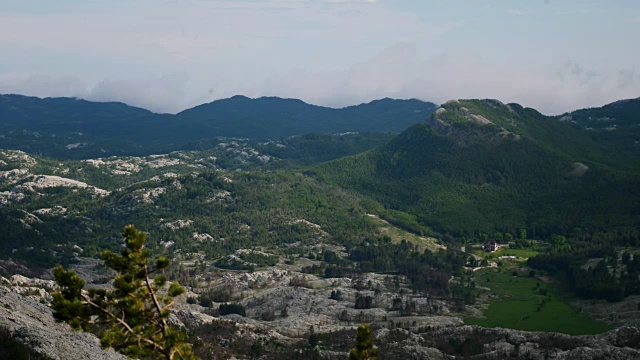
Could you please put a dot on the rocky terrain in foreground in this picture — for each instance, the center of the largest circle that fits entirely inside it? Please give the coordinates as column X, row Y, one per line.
column 28, row 331
column 481, row 343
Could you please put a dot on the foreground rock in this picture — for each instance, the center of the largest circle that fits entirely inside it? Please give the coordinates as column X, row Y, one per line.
column 29, row 331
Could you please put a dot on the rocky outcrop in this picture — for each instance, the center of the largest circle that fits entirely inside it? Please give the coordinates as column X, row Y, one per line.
column 49, row 181
column 446, row 119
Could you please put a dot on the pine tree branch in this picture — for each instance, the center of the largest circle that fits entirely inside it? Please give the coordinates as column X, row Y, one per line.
column 155, row 300
column 123, row 324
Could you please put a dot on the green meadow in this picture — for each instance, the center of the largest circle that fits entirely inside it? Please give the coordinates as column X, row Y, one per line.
column 521, row 253
column 525, row 303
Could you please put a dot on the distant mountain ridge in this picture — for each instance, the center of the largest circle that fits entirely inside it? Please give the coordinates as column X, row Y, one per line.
column 616, row 124
column 272, row 117
column 621, row 113
column 75, row 128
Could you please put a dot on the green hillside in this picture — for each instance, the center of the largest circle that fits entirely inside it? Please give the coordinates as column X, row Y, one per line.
column 480, row 165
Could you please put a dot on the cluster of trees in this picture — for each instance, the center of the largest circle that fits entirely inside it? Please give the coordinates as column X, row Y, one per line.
column 329, row 270
column 611, row 279
column 364, row 301
column 228, row 309
column 248, row 261
column 310, row 149
column 427, row 272
column 336, row 295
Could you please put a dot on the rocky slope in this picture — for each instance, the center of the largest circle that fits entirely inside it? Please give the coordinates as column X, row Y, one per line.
column 480, row 343
column 28, row 330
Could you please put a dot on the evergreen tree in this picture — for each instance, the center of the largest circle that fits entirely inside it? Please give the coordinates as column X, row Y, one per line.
column 364, row 349
column 133, row 316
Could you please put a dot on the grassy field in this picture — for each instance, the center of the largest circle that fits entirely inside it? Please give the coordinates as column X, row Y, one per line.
column 525, row 303
column 521, row 253
column 397, row 235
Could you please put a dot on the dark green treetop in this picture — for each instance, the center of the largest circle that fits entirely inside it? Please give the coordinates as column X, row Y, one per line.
column 133, row 316
column 364, row 349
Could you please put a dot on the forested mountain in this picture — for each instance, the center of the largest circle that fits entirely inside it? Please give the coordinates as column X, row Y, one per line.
column 616, row 124
column 480, row 165
column 76, row 129
column 272, row 117
column 63, row 114
column 619, row 114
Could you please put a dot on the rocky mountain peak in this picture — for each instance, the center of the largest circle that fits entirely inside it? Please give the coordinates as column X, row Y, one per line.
column 457, row 116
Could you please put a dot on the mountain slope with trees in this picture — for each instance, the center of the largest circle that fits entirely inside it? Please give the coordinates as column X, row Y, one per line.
column 480, row 165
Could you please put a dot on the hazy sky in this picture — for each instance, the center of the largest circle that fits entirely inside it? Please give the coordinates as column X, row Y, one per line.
column 168, row 55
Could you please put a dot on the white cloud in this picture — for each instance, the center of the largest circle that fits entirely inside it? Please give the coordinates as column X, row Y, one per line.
column 223, row 47
column 400, row 72
column 518, row 12
column 163, row 94
column 42, row 85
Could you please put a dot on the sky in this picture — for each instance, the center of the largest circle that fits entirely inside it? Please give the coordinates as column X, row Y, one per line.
column 169, row 55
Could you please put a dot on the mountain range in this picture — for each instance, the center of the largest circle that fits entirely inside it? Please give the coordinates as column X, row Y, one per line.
column 470, row 165
column 75, row 128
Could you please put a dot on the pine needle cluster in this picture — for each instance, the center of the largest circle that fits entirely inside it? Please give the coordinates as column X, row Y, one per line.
column 364, row 349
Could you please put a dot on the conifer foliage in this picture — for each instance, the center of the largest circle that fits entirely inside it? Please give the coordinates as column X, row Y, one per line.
column 131, row 318
column 364, row 349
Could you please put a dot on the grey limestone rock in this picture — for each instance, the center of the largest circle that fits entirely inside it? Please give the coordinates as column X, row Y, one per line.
column 26, row 321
